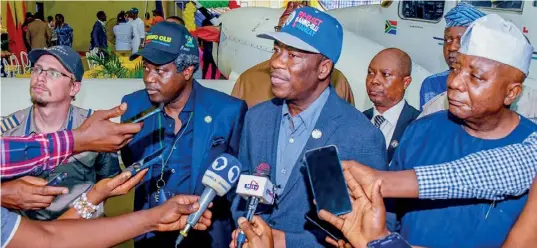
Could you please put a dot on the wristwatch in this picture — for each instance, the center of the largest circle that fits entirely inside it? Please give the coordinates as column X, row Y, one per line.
column 394, row 240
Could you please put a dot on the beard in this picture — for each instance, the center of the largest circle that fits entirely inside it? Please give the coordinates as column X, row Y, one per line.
column 38, row 101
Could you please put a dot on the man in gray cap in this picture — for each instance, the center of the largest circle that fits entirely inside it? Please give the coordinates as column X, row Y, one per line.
column 457, row 20
column 55, row 81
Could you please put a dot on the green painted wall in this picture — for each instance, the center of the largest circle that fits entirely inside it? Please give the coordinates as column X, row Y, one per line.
column 81, row 15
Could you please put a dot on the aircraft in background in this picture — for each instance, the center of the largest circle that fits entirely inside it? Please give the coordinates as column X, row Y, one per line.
column 416, row 27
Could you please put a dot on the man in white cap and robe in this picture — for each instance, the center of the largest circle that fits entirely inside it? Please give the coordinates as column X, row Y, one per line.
column 486, row 79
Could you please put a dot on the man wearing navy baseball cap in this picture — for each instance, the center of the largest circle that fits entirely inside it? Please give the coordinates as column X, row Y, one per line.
column 306, row 114
column 196, row 125
column 55, row 81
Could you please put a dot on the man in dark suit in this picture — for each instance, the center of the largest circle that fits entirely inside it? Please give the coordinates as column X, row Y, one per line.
column 196, row 126
column 387, row 79
column 306, row 114
column 98, row 33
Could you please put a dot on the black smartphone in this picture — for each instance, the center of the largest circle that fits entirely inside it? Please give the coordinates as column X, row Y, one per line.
column 327, row 181
column 153, row 158
column 57, row 179
column 327, row 228
column 145, row 114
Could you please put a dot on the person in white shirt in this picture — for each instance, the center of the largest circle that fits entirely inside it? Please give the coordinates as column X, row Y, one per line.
column 387, row 79
column 124, row 34
column 139, row 28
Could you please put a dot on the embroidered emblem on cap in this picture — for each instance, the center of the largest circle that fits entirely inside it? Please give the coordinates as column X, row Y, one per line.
column 290, row 18
column 316, row 134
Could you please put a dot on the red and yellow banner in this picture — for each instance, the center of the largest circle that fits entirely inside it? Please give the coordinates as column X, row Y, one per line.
column 13, row 13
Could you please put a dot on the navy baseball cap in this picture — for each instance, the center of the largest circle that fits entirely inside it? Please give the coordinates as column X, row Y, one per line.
column 69, row 58
column 165, row 42
column 311, row 30
column 134, row 10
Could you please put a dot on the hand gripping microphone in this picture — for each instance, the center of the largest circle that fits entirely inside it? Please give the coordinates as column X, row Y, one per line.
column 259, row 189
column 218, row 180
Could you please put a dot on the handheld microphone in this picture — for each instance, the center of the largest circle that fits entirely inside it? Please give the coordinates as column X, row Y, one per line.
column 259, row 189
column 218, row 180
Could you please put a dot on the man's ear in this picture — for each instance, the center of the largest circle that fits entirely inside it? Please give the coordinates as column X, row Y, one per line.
column 75, row 88
column 188, row 72
column 514, row 90
column 325, row 68
column 406, row 81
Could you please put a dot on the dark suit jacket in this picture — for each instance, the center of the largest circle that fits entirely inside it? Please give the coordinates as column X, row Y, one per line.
column 211, row 139
column 98, row 36
column 408, row 115
column 341, row 124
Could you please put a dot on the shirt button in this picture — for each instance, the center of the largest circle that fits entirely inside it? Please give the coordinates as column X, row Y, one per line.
column 173, row 171
column 272, row 223
column 291, row 140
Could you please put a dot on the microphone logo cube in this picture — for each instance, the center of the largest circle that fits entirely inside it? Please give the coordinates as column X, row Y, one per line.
column 256, row 186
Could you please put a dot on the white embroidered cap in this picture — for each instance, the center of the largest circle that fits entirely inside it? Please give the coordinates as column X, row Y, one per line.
column 494, row 38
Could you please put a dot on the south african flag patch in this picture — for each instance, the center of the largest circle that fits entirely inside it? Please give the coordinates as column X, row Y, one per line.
column 390, row 27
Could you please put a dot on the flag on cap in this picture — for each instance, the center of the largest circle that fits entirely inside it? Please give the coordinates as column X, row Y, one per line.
column 494, row 38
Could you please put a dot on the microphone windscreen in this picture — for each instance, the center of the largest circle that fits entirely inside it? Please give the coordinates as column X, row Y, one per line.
column 222, row 174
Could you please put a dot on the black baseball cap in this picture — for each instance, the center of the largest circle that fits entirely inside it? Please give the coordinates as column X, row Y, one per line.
column 165, row 42
column 67, row 56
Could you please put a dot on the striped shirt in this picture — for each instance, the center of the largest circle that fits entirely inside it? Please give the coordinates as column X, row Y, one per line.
column 34, row 154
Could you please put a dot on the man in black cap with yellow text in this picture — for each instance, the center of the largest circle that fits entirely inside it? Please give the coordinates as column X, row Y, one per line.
column 196, row 126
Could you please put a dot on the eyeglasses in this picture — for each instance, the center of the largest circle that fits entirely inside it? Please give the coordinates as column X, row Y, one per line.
column 51, row 73
column 277, row 28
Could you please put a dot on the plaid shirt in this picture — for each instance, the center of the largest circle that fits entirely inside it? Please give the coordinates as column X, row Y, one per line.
column 34, row 154
column 492, row 174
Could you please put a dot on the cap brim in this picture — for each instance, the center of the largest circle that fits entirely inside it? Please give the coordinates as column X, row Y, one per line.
column 35, row 54
column 155, row 56
column 289, row 40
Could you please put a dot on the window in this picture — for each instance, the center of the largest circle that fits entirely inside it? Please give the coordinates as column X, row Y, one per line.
column 430, row 11
column 499, row 5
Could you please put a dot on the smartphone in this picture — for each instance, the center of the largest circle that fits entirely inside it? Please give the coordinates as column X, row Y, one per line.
column 154, row 158
column 145, row 114
column 57, row 179
column 327, row 228
column 327, row 181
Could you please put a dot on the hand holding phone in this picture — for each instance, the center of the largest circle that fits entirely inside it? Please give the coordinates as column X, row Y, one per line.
column 145, row 114
column 327, row 181
column 57, row 179
column 154, row 158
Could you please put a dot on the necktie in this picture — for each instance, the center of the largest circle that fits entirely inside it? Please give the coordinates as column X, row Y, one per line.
column 379, row 119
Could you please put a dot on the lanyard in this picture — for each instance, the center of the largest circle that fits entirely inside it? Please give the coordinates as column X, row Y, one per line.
column 160, row 183
column 27, row 131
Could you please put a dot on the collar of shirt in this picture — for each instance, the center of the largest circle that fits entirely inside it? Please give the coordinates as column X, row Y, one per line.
column 392, row 114
column 189, row 106
column 310, row 115
column 67, row 124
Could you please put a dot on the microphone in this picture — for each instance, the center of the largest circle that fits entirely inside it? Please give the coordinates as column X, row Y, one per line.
column 259, row 189
column 218, row 180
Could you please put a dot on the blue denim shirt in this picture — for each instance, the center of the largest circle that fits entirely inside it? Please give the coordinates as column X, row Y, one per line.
column 293, row 136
